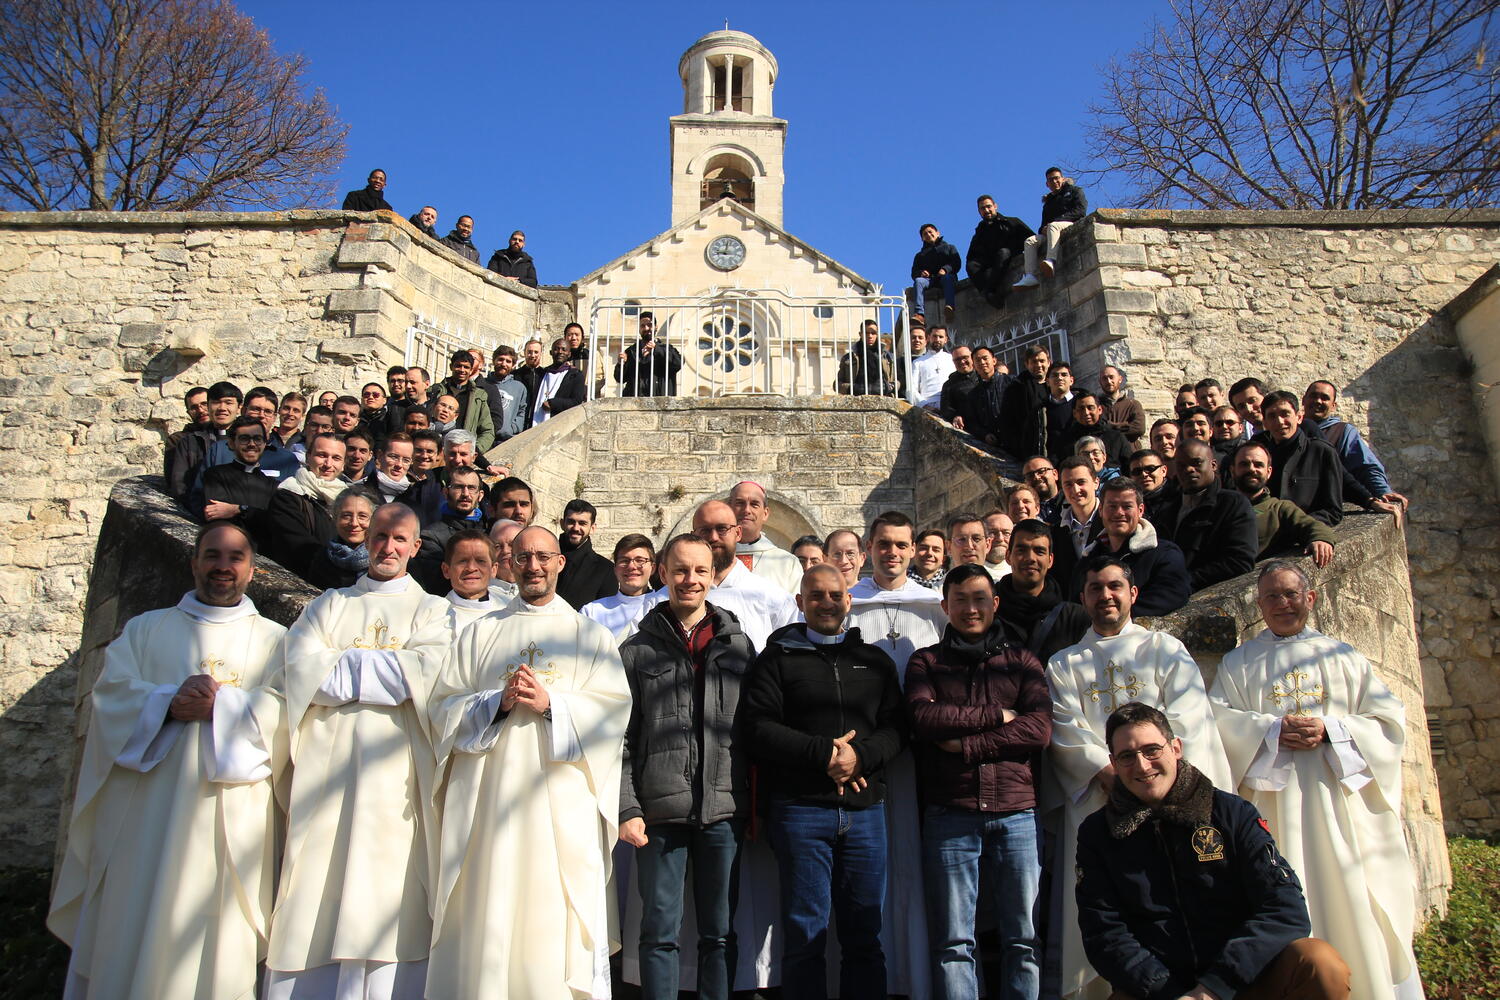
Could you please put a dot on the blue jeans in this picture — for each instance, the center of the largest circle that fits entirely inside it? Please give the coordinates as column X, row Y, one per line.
column 714, row 853
column 830, row 858
column 919, row 287
column 956, row 843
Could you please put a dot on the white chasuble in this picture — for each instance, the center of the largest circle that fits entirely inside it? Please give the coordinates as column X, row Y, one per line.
column 166, row 886
column 530, row 808
column 361, row 833
column 1335, row 810
column 774, row 565
column 901, row 621
column 463, row 612
column 1088, row 682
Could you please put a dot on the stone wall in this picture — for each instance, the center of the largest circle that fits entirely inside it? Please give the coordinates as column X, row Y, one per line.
column 1353, row 297
column 105, row 320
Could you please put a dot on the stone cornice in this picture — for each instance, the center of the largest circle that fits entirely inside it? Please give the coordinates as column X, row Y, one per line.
column 1187, row 218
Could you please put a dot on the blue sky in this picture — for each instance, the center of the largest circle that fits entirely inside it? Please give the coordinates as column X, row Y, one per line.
column 553, row 117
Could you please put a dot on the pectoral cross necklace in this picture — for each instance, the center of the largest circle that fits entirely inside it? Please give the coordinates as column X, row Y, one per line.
column 893, row 633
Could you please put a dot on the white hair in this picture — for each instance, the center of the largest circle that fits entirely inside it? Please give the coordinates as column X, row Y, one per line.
column 459, row 436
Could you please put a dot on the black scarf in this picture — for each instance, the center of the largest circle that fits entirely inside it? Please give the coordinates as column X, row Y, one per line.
column 1189, row 803
column 1022, row 611
column 960, row 647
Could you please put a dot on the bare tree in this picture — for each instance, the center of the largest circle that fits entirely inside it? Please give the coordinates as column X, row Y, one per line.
column 135, row 105
column 1310, row 104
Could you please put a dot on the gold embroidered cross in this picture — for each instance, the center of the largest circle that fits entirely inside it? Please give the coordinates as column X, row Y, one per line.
column 214, row 667
column 1292, row 691
column 1131, row 687
column 377, row 640
column 547, row 674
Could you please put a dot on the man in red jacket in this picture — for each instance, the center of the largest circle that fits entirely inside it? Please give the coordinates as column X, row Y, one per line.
column 981, row 713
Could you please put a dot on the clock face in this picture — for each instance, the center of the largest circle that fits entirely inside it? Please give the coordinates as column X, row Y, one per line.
column 726, row 253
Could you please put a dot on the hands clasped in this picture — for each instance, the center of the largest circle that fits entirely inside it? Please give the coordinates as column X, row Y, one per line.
column 525, row 689
column 194, row 700
column 842, row 764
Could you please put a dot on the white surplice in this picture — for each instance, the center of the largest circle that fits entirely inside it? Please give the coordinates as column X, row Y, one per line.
column 166, row 886
column 901, row 621
column 530, row 808
column 620, row 613
column 774, row 565
column 1088, row 682
column 463, row 612
column 361, row 833
column 1335, row 811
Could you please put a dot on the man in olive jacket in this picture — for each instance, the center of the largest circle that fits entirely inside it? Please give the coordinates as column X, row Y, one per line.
column 684, row 790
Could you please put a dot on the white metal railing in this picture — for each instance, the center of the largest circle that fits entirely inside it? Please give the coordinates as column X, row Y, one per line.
column 742, row 341
column 1010, row 346
column 430, row 346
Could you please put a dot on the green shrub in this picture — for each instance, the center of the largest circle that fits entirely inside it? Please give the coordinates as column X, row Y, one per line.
column 1459, row 956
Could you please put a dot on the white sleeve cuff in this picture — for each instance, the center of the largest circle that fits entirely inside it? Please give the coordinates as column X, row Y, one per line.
column 368, row 676
column 237, row 751
column 1271, row 770
column 480, row 727
column 155, row 733
column 565, row 745
column 1342, row 753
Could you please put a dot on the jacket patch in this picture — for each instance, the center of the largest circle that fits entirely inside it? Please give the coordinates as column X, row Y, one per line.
column 1208, row 844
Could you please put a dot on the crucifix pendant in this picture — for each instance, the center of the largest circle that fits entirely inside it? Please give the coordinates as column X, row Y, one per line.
column 893, row 635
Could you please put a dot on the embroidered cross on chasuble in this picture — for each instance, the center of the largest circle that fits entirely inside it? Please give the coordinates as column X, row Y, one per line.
column 1131, row 687
column 214, row 667
column 1289, row 689
column 547, row 673
column 375, row 637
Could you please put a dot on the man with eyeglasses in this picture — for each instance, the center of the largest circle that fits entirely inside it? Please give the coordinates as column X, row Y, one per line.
column 1116, row 661
column 1315, row 739
column 957, row 387
column 1181, row 889
column 1041, row 475
column 588, row 576
column 633, row 563
column 1228, row 434
column 240, row 490
column 761, row 607
column 528, row 720
column 1149, row 470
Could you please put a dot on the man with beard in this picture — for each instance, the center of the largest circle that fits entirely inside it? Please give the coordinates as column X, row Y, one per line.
column 186, row 457
column 1228, row 434
column 426, row 221
column 370, row 198
column 459, row 240
column 514, row 262
column 459, row 510
column 1115, row 660
column 1033, row 609
column 511, row 498
column 1122, row 411
column 1358, row 458
column 648, row 367
column 587, row 576
column 930, row 369
column 560, row 387
column 936, row 261
column 1280, row 525
column 509, row 391
column 1041, row 475
column 1089, row 421
column 1024, row 407
column 996, row 240
column 867, row 369
column 529, row 374
column 956, row 389
column 1214, row 527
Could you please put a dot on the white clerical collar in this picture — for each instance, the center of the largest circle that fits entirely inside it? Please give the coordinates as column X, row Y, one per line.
column 1092, row 635
column 633, row 598
column 1306, row 633
column 212, row 614
column 759, row 545
column 553, row 607
column 483, row 604
column 370, row 585
column 819, row 639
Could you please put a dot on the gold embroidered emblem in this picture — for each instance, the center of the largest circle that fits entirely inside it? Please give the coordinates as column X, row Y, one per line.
column 214, row 667
column 1289, row 688
column 1208, row 844
column 1131, row 687
column 547, row 673
column 377, row 638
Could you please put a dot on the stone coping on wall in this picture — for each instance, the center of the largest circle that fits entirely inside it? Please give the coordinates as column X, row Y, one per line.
column 1302, row 219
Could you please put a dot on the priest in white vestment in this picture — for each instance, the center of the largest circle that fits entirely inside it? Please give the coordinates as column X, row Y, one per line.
column 503, row 586
column 1116, row 662
column 634, row 562
column 754, row 549
column 894, row 612
column 1314, row 741
column 352, row 917
column 530, row 714
column 469, row 567
column 165, row 888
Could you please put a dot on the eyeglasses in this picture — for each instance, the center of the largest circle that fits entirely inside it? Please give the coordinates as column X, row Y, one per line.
column 249, row 439
column 717, row 529
column 1150, row 751
column 543, row 559
column 1036, row 473
column 1226, row 423
column 639, row 562
column 969, row 539
column 1146, row 470
column 1284, row 596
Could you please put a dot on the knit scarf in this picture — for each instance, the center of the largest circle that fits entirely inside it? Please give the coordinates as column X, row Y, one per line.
column 391, row 488
column 351, row 558
column 309, row 485
column 1190, row 802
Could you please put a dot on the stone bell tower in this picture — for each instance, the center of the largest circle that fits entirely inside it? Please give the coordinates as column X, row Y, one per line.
column 726, row 142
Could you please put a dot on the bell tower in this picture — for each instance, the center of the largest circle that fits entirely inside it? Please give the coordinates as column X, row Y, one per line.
column 727, row 143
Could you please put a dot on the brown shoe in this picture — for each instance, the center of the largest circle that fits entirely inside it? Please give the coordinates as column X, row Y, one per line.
column 948, row 313
column 1045, row 269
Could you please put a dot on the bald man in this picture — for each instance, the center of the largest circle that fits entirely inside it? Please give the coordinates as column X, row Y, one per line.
column 761, row 607
column 353, row 908
column 754, row 549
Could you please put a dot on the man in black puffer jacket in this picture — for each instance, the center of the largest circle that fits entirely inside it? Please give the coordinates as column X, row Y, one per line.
column 684, row 786
column 1062, row 205
column 1181, row 890
column 824, row 714
column 936, row 262
column 514, row 261
column 996, row 240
